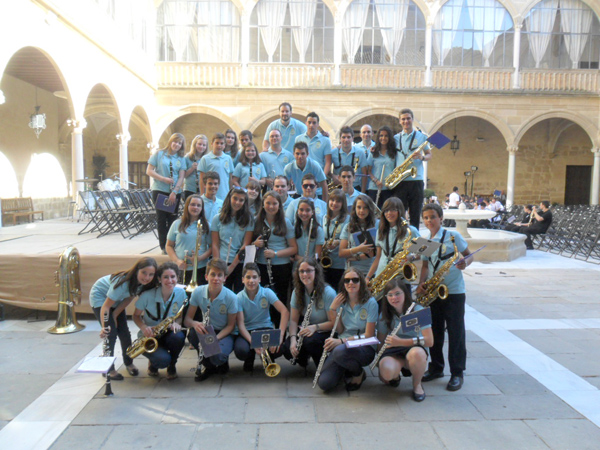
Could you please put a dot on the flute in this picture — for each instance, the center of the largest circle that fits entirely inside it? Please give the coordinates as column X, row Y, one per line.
column 326, row 353
column 393, row 333
column 381, row 185
column 305, row 323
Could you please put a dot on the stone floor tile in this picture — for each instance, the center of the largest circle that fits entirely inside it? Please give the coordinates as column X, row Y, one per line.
column 134, row 387
column 473, row 385
column 358, row 409
column 205, row 410
column 187, row 388
column 225, row 436
column 300, row 385
column 549, row 344
column 253, row 386
column 3, row 423
column 482, row 350
column 117, row 411
column 439, row 409
column 488, row 435
column 361, row 436
column 19, row 390
column 537, row 406
column 517, row 384
column 300, row 435
column 582, row 365
column 491, row 366
column 84, row 437
column 567, row 433
column 157, row 436
column 593, row 380
column 280, row 410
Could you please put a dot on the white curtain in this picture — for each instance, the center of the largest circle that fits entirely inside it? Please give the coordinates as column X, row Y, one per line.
column 218, row 35
column 353, row 28
column 575, row 23
column 178, row 18
column 487, row 18
column 271, row 15
column 445, row 27
column 302, row 15
column 540, row 22
column 392, row 21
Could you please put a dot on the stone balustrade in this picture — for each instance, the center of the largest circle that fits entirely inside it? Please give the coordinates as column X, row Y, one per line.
column 559, row 80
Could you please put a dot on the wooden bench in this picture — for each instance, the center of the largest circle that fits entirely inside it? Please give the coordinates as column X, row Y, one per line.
column 18, row 207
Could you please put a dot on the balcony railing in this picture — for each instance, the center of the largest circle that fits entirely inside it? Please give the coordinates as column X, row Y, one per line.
column 559, row 80
column 322, row 76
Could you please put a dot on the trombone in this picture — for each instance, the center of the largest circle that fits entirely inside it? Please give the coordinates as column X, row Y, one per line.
column 194, row 282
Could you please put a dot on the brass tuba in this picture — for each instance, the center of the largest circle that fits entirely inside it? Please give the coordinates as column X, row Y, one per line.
column 67, row 278
column 399, row 265
column 434, row 287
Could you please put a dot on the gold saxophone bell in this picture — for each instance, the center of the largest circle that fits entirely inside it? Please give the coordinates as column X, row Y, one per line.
column 272, row 369
column 409, row 271
column 326, row 261
column 442, row 292
column 141, row 346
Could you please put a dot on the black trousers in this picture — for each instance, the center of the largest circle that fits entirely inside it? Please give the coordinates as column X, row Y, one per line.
column 343, row 362
column 382, row 197
column 449, row 314
column 242, row 349
column 120, row 329
column 164, row 220
column 529, row 232
column 312, row 348
column 411, row 194
column 333, row 277
column 234, row 279
column 282, row 281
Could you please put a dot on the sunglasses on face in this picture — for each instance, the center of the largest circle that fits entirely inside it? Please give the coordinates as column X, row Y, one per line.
column 309, row 186
column 354, row 280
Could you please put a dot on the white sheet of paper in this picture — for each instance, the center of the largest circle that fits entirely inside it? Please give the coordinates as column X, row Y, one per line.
column 97, row 364
column 250, row 254
column 362, row 342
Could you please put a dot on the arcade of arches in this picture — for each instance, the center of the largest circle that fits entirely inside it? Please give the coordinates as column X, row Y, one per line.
column 106, row 109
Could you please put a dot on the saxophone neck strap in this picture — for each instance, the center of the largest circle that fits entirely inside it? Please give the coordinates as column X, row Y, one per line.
column 441, row 258
column 410, row 144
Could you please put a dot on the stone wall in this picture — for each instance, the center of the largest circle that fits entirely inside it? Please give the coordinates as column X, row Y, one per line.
column 53, row 208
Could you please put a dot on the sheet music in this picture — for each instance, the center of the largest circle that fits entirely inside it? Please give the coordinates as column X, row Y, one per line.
column 97, row 364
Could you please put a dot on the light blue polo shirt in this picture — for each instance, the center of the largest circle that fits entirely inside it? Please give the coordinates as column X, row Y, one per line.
column 256, row 312
column 277, row 243
column 341, row 159
column 381, row 243
column 287, row 202
column 163, row 162
column 104, row 288
column 187, row 241
column 362, row 265
column 319, row 147
column 320, row 209
column 355, row 319
column 243, row 172
column 303, row 240
column 223, row 165
column 226, row 303
column 191, row 183
column 364, row 149
column 382, row 327
column 351, row 198
column 288, row 133
column 151, row 302
column 378, row 164
column 236, row 159
column 320, row 308
column 338, row 263
column 274, row 163
column 211, row 207
column 403, row 141
column 454, row 278
column 230, row 230
column 294, row 173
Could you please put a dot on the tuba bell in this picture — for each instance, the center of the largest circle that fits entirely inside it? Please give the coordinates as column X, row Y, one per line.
column 67, row 278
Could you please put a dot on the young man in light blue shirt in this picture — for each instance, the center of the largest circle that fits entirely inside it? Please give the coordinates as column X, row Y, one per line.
column 289, row 128
column 348, row 155
column 303, row 165
column 319, row 146
column 212, row 204
column 275, row 158
column 217, row 161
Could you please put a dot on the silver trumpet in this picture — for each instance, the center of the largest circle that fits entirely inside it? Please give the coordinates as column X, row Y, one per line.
column 326, row 353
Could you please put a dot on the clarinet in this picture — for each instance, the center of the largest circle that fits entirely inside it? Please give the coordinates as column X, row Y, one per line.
column 106, row 352
column 310, row 227
column 205, row 322
column 172, row 176
column 305, row 323
column 266, row 236
column 385, row 346
column 326, row 353
column 251, row 170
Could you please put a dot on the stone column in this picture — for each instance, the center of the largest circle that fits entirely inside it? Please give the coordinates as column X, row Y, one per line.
column 510, row 182
column 516, row 81
column 337, row 50
column 428, row 50
column 123, row 159
column 595, row 176
column 77, row 172
column 245, row 49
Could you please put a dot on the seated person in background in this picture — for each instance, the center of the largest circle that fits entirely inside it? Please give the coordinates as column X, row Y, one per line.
column 525, row 220
column 539, row 225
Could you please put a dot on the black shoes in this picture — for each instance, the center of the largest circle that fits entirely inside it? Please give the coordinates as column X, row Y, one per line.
column 223, row 368
column 354, row 386
column 152, row 371
column 395, row 382
column 249, row 363
column 429, row 376
column 203, row 372
column 418, row 397
column 171, row 372
column 455, row 383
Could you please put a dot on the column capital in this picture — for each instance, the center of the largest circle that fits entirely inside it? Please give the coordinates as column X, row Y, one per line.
column 78, row 125
column 123, row 138
column 512, row 149
column 518, row 26
column 596, row 151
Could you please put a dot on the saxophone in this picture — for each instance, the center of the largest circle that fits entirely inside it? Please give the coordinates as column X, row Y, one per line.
column 150, row 344
column 194, row 281
column 434, row 287
column 305, row 323
column 399, row 265
column 326, row 260
column 402, row 171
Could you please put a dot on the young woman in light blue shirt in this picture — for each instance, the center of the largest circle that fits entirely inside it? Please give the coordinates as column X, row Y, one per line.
column 308, row 245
